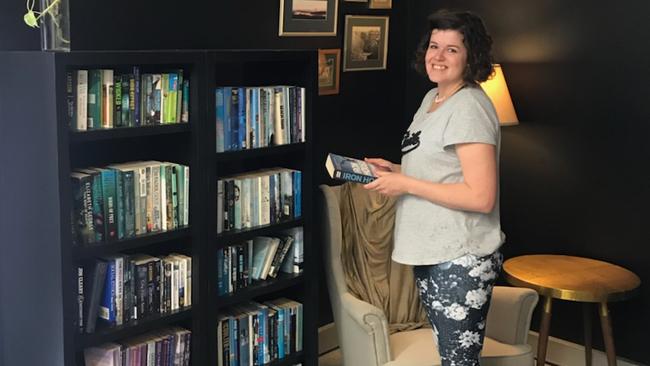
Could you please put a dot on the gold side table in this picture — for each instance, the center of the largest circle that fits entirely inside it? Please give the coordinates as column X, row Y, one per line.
column 575, row 279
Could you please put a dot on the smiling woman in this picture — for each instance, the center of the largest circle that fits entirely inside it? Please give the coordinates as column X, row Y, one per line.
column 447, row 223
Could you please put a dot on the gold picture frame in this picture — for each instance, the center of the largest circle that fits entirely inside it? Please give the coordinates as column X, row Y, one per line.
column 366, row 43
column 329, row 71
column 380, row 4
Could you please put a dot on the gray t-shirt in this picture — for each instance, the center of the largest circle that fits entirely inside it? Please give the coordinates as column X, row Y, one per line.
column 428, row 233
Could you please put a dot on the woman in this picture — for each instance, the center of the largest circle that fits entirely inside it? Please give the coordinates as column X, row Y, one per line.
column 447, row 224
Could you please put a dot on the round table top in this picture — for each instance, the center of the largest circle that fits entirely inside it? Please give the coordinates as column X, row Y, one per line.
column 572, row 278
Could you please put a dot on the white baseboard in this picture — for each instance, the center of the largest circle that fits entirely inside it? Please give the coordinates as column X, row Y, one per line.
column 564, row 353
column 327, row 339
column 558, row 352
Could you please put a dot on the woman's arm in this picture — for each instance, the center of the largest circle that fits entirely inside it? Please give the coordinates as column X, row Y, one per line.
column 477, row 191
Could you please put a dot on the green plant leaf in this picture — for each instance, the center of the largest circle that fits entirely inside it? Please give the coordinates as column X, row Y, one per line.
column 30, row 19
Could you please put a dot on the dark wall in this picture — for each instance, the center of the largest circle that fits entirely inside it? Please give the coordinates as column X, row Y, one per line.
column 573, row 172
column 365, row 119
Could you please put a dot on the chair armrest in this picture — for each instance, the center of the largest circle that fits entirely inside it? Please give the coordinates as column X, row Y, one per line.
column 511, row 309
column 371, row 324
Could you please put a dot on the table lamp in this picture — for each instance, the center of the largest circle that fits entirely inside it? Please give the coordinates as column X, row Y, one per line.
column 495, row 87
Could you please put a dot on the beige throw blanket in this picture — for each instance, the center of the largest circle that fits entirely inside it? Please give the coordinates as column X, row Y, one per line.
column 370, row 274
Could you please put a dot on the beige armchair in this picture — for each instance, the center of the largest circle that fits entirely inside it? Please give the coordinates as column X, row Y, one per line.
column 362, row 328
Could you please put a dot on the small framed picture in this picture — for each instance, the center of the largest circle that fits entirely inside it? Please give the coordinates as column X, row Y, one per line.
column 366, row 43
column 329, row 64
column 308, row 18
column 380, row 4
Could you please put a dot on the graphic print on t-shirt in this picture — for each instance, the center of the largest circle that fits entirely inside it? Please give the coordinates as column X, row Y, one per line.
column 410, row 141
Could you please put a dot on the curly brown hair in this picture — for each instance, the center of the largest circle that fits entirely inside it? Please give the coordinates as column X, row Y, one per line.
column 476, row 39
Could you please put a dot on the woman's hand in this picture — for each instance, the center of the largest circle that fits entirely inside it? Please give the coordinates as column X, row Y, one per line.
column 389, row 183
column 383, row 165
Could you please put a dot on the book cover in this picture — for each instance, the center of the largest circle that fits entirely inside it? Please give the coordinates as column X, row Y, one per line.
column 349, row 169
column 82, row 214
column 97, row 203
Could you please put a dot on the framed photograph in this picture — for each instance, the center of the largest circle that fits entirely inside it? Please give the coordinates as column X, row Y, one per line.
column 380, row 4
column 366, row 43
column 308, row 18
column 329, row 71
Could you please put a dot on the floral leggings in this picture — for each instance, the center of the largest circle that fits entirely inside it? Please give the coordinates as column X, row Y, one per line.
column 456, row 296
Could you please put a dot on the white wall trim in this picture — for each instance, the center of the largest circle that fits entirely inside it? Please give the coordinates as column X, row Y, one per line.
column 564, row 353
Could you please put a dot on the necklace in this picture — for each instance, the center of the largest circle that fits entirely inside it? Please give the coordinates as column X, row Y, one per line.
column 437, row 99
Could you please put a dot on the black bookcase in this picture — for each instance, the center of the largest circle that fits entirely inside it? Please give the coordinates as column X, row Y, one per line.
column 38, row 151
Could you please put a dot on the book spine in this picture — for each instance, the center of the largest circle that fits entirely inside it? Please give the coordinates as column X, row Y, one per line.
column 107, row 308
column 297, row 193
column 137, row 118
column 242, row 137
column 185, row 113
column 186, row 195
column 95, row 294
column 220, row 198
column 80, row 299
column 119, row 204
column 70, row 88
column 125, row 104
column 234, row 119
column 117, row 100
column 82, row 100
column 107, row 99
column 156, row 198
column 98, row 207
column 175, row 174
column 129, row 203
column 94, row 98
column 110, row 195
column 220, row 119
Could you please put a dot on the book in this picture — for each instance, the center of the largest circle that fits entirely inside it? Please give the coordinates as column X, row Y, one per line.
column 349, row 169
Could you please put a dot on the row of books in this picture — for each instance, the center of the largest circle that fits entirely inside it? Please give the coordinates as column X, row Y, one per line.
column 258, row 198
column 169, row 346
column 121, row 201
column 104, row 98
column 120, row 289
column 253, row 117
column 254, row 334
column 258, row 259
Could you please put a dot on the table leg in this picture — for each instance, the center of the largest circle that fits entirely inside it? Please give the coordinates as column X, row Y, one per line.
column 586, row 313
column 542, row 342
column 608, row 336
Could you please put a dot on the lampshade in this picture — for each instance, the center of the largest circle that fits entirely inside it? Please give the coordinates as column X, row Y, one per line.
column 495, row 87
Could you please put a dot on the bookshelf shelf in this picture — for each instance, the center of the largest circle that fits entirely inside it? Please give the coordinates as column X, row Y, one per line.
column 234, row 236
column 229, row 156
column 128, row 132
column 260, row 288
column 139, row 242
column 290, row 359
column 131, row 329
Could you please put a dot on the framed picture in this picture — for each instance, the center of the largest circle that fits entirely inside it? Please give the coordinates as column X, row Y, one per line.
column 329, row 71
column 308, row 17
column 380, row 4
column 366, row 43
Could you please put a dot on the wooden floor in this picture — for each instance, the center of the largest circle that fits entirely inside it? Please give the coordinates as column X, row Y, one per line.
column 333, row 358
